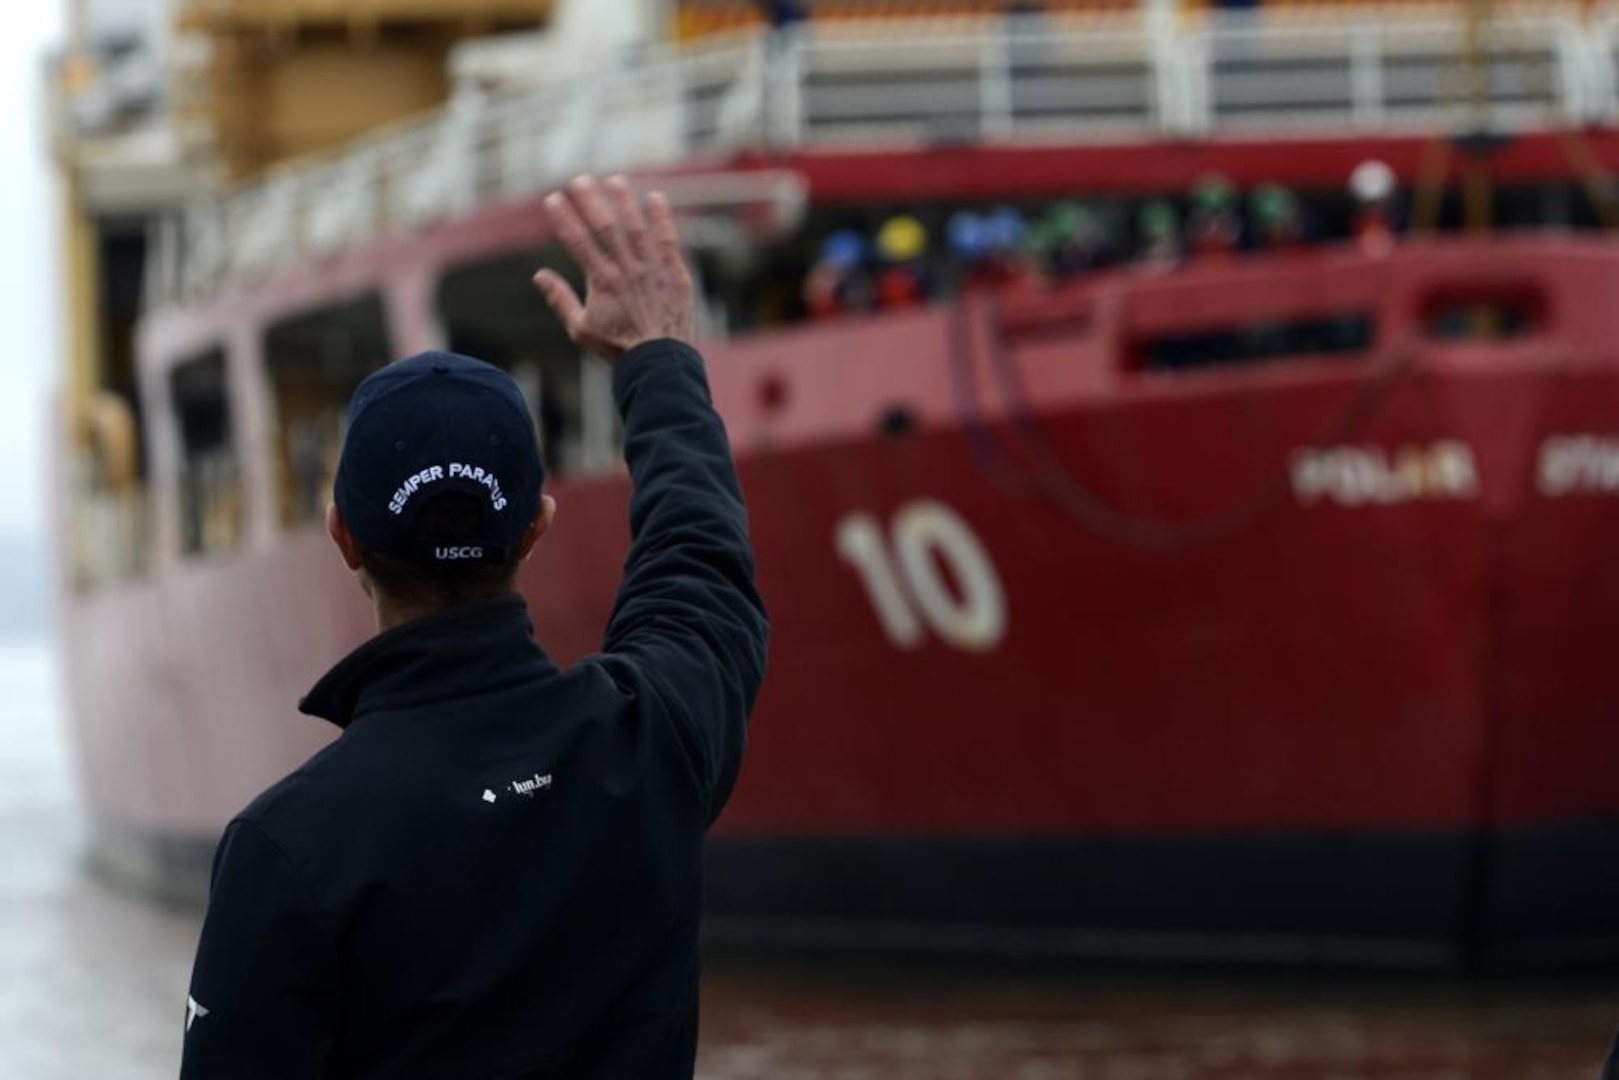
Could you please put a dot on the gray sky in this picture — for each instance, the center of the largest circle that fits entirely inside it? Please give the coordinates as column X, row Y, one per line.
column 30, row 294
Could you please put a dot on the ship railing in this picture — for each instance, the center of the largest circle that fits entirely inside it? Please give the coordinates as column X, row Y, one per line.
column 1026, row 80
column 1385, row 75
column 481, row 149
column 998, row 81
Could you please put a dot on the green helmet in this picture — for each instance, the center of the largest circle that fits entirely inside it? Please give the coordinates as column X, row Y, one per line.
column 1213, row 194
column 1070, row 219
column 1159, row 220
column 1274, row 204
column 1040, row 239
column 1063, row 224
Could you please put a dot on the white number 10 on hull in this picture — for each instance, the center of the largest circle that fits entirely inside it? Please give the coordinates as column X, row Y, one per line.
column 902, row 574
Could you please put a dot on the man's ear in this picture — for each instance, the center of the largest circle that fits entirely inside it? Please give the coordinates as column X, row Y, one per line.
column 538, row 527
column 338, row 530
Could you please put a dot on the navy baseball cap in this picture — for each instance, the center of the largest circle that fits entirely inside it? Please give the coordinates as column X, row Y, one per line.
column 441, row 465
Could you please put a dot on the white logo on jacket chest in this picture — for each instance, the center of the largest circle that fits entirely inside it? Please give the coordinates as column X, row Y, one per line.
column 534, row 784
column 527, row 788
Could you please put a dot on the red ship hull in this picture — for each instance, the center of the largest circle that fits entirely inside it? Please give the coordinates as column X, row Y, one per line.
column 1306, row 662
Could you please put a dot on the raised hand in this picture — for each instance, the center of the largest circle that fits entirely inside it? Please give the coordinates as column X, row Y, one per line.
column 637, row 288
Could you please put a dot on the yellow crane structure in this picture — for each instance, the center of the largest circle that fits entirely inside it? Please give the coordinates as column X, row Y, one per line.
column 286, row 78
column 245, row 86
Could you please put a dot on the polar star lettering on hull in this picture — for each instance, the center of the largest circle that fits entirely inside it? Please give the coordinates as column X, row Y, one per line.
column 1361, row 476
column 1573, row 465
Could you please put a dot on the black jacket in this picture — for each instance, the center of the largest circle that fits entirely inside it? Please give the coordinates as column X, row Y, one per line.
column 496, row 870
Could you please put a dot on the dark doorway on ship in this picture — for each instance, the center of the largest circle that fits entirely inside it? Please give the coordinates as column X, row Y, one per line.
column 314, row 361
column 490, row 310
column 122, row 266
column 211, row 511
column 111, row 539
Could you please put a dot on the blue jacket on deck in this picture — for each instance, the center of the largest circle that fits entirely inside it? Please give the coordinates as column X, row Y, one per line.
column 496, row 870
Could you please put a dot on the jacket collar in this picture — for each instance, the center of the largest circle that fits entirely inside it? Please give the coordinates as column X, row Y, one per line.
column 469, row 649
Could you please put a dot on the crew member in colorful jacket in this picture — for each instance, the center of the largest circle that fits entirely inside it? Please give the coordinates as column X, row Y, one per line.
column 495, row 871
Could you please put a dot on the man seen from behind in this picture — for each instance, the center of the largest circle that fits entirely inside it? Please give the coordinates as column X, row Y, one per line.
column 495, row 871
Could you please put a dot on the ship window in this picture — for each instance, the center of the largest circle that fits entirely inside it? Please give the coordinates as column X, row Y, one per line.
column 1349, row 334
column 314, row 361
column 492, row 311
column 209, row 481
column 1485, row 314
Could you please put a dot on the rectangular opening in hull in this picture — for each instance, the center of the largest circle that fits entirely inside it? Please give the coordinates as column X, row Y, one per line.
column 210, row 472
column 314, row 362
column 491, row 311
column 1347, row 335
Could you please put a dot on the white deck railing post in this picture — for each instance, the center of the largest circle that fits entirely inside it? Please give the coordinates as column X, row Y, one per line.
column 1366, row 75
column 995, row 79
column 1603, row 92
column 786, row 67
column 465, row 128
column 1185, row 60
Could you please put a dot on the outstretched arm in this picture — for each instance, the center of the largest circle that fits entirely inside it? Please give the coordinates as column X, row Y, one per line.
column 688, row 614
